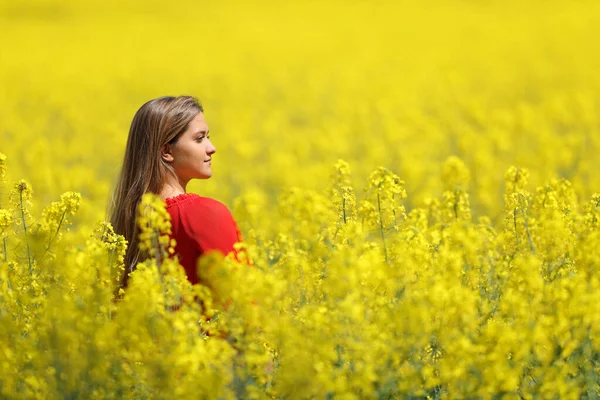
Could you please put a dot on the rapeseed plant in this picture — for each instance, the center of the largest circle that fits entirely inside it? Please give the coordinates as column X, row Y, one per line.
column 443, row 279
column 453, row 307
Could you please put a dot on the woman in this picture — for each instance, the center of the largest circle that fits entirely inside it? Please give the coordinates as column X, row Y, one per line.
column 169, row 145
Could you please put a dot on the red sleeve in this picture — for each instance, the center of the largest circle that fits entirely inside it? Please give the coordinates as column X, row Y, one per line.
column 211, row 226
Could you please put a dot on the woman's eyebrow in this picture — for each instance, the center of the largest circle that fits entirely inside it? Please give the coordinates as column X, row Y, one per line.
column 203, row 132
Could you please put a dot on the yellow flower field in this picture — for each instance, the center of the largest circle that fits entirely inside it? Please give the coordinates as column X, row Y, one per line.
column 416, row 183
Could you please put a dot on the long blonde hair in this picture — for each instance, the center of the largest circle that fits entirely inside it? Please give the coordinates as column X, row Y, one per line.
column 158, row 122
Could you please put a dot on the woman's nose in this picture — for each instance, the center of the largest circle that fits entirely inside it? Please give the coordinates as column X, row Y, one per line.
column 211, row 149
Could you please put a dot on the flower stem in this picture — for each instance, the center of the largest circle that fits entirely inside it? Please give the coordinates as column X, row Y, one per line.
column 55, row 234
column 25, row 230
column 515, row 225
column 344, row 207
column 531, row 246
column 381, row 228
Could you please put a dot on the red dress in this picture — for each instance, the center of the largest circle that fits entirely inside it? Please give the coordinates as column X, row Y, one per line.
column 198, row 225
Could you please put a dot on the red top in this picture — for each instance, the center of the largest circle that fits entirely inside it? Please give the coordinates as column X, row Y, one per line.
column 198, row 225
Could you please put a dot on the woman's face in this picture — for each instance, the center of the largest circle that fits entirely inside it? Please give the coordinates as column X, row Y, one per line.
column 191, row 154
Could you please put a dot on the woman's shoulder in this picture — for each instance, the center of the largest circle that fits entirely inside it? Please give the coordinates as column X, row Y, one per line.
column 192, row 202
column 198, row 215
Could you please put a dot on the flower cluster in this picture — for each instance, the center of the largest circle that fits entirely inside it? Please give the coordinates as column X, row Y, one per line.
column 154, row 223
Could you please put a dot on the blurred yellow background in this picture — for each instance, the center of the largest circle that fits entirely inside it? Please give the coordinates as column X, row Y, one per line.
column 289, row 88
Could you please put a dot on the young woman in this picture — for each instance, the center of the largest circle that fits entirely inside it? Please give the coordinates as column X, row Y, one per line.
column 169, row 145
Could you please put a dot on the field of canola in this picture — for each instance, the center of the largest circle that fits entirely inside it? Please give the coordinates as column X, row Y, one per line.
column 416, row 183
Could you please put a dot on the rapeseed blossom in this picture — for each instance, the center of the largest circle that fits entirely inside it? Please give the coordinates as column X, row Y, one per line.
column 418, row 197
column 446, row 305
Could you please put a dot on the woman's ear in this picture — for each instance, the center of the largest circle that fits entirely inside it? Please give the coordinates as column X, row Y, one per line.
column 165, row 153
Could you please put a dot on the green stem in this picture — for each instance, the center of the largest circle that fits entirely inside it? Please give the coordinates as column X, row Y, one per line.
column 381, row 228
column 25, row 230
column 110, row 288
column 8, row 281
column 515, row 224
column 55, row 234
column 531, row 246
column 158, row 259
column 455, row 206
column 394, row 211
column 344, row 206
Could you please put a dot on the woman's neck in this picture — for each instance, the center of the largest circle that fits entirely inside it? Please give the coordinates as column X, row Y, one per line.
column 171, row 189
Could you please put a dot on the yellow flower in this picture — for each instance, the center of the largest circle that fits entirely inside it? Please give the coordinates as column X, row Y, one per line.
column 155, row 226
column 6, row 219
column 455, row 174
